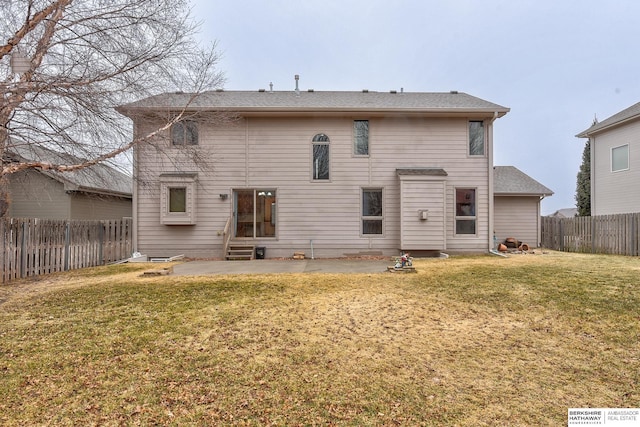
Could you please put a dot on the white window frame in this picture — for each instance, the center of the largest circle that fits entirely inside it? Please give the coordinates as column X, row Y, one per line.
column 484, row 139
column 364, row 217
column 355, row 134
column 185, row 126
column 626, row 146
column 473, row 217
column 320, row 139
column 169, row 181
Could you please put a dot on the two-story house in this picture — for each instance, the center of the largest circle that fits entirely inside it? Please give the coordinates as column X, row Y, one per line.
column 615, row 162
column 327, row 173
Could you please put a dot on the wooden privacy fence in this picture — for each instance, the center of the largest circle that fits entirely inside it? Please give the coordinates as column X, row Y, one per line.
column 603, row 234
column 31, row 247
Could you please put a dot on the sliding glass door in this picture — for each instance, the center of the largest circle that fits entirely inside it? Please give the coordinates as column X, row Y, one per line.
column 254, row 213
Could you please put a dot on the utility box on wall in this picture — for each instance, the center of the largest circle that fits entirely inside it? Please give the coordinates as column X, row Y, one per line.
column 424, row 214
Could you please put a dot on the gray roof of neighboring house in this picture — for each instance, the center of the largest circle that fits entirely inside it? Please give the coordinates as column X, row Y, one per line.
column 565, row 213
column 510, row 181
column 320, row 101
column 100, row 178
column 626, row 115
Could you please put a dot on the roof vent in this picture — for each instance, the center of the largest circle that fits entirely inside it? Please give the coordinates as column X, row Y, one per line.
column 219, row 90
column 309, row 90
column 271, row 87
column 297, row 77
column 261, row 90
column 365, row 90
column 393, row 91
column 454, row 92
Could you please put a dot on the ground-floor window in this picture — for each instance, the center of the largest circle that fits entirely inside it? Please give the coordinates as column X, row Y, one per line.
column 466, row 211
column 372, row 211
column 255, row 213
column 178, row 198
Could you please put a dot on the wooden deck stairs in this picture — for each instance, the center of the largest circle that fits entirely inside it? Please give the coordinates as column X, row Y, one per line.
column 237, row 251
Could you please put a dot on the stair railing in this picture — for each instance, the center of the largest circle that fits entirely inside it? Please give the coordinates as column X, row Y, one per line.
column 226, row 237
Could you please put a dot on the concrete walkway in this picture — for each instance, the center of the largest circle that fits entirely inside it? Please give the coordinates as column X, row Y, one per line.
column 265, row 266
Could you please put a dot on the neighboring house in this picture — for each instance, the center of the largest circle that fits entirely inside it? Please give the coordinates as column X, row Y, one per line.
column 325, row 173
column 565, row 213
column 97, row 192
column 615, row 163
column 517, row 205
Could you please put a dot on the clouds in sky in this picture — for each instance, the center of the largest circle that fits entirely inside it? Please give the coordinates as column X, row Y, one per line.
column 556, row 64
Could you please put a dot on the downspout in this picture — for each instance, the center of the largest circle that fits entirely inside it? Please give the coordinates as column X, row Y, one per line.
column 491, row 230
column 134, row 201
column 539, row 228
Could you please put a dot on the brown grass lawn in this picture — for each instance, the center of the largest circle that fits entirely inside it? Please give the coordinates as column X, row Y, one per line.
column 468, row 341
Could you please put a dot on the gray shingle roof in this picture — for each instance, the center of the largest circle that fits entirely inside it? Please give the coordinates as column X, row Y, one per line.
column 631, row 113
column 100, row 178
column 565, row 213
column 508, row 180
column 312, row 101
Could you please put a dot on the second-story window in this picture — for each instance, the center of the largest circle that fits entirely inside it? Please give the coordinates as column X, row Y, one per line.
column 476, row 139
column 620, row 158
column 184, row 132
column 361, row 137
column 320, row 160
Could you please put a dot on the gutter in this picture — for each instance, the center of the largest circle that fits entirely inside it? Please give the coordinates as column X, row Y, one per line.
column 70, row 187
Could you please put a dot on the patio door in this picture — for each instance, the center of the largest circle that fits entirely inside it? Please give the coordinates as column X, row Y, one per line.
column 254, row 213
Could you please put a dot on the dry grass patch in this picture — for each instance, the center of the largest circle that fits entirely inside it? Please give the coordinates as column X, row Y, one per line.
column 467, row 341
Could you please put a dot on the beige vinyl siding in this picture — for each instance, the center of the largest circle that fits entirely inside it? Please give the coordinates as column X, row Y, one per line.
column 275, row 153
column 417, row 233
column 225, row 168
column 616, row 192
column 519, row 217
column 95, row 207
column 35, row 195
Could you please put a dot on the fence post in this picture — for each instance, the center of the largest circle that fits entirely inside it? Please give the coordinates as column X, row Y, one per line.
column 3, row 257
column 23, row 250
column 101, row 244
column 633, row 250
column 593, row 234
column 67, row 244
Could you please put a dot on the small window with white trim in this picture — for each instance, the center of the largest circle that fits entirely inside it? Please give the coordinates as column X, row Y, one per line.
column 178, row 198
column 320, row 157
column 620, row 158
column 466, row 218
column 372, row 211
column 476, row 138
column 184, row 132
column 361, row 137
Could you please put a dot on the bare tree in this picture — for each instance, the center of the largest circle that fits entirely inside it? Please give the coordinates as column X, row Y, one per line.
column 66, row 64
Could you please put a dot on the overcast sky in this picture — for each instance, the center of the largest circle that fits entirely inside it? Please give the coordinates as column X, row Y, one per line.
column 555, row 63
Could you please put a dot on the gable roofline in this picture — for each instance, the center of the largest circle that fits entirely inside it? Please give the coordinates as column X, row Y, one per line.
column 99, row 179
column 511, row 181
column 627, row 115
column 290, row 102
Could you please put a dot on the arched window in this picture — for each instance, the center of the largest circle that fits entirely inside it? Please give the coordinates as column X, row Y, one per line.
column 320, row 164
